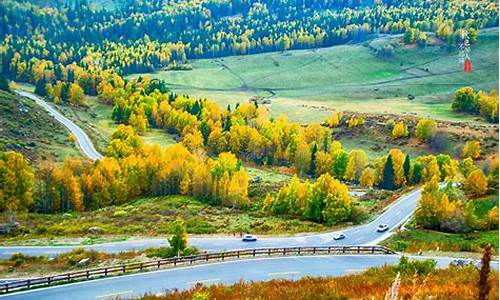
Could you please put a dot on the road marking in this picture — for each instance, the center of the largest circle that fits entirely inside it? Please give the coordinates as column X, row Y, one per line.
column 203, row 281
column 114, row 294
column 283, row 273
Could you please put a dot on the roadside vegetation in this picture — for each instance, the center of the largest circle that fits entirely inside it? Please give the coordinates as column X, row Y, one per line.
column 407, row 280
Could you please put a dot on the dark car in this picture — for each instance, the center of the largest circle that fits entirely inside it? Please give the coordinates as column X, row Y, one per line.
column 339, row 236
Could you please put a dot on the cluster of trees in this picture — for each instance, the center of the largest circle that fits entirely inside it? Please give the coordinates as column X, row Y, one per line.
column 326, row 200
column 130, row 169
column 477, row 103
column 138, row 37
column 448, row 209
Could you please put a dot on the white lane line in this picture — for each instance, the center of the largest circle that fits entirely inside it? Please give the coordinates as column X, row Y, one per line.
column 283, row 273
column 204, row 281
column 114, row 294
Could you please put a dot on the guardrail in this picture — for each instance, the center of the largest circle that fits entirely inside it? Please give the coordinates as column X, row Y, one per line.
column 183, row 260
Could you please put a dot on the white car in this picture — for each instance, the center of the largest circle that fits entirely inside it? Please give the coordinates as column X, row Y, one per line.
column 249, row 238
column 339, row 236
column 382, row 227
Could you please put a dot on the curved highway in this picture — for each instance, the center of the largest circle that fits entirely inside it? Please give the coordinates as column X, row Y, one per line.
column 228, row 272
column 365, row 234
column 82, row 138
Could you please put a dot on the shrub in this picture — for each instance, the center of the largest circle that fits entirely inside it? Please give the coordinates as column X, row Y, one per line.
column 420, row 267
column 425, row 130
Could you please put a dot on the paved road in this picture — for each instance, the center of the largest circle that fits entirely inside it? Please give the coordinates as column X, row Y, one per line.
column 365, row 234
column 225, row 272
column 83, row 140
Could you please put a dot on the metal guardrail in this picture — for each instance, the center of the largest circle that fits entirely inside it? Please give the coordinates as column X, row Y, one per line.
column 183, row 260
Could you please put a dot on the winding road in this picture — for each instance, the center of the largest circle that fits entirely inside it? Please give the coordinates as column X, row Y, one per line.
column 82, row 138
column 222, row 272
column 365, row 234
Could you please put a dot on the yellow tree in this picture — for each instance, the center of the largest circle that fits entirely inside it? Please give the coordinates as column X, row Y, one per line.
column 425, row 130
column 238, row 189
column 355, row 165
column 16, row 183
column 472, row 149
column 75, row 94
column 399, row 130
column 476, row 184
column 367, row 178
column 302, row 159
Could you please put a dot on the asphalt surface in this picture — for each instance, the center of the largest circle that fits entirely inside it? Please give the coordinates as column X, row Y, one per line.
column 366, row 234
column 259, row 269
column 82, row 139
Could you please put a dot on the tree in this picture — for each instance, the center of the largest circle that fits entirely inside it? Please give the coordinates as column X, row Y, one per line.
column 75, row 94
column 4, row 83
column 367, row 178
column 476, row 184
column 314, row 153
column 399, row 130
column 407, row 168
column 465, row 100
column 302, row 160
column 425, row 130
column 340, row 159
column 179, row 239
column 483, row 283
column 16, row 183
column 472, row 149
column 388, row 175
column 356, row 164
column 488, row 106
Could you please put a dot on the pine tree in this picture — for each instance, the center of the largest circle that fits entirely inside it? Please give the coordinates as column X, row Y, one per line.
column 4, row 84
column 40, row 87
column 407, row 168
column 388, row 175
column 314, row 152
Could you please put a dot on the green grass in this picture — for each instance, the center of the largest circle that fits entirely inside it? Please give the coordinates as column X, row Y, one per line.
column 96, row 120
column 28, row 128
column 149, row 217
column 347, row 77
column 483, row 205
column 413, row 240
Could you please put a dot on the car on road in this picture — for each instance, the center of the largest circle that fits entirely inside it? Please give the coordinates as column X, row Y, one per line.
column 249, row 238
column 382, row 227
column 339, row 236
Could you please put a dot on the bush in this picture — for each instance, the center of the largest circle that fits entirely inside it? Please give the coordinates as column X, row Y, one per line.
column 420, row 267
column 119, row 213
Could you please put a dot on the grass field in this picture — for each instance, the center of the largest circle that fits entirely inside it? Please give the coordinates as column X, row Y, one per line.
column 27, row 128
column 347, row 77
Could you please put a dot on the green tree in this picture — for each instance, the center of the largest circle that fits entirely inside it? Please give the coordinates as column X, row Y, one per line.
column 426, row 130
column 179, row 239
column 407, row 168
column 388, row 175
column 4, row 83
column 465, row 100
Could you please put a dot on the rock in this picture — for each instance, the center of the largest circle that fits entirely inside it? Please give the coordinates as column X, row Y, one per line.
column 257, row 179
column 94, row 230
column 83, row 261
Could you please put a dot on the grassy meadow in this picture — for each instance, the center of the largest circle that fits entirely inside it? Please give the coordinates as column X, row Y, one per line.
column 305, row 84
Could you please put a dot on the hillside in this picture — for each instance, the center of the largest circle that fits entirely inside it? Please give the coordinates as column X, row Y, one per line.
column 27, row 128
column 305, row 84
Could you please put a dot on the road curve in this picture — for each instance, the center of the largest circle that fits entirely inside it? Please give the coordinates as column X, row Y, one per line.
column 82, row 138
column 365, row 234
column 259, row 269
